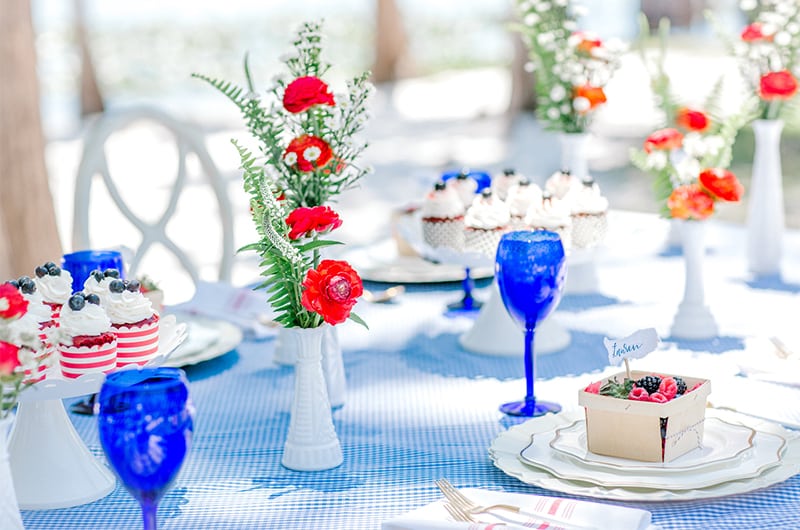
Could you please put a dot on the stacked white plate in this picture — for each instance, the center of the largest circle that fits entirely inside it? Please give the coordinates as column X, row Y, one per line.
column 738, row 454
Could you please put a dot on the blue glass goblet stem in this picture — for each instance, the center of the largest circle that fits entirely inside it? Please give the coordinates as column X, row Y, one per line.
column 530, row 268
column 145, row 423
column 467, row 302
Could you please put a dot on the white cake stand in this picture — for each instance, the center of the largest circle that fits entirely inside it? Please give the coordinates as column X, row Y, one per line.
column 50, row 463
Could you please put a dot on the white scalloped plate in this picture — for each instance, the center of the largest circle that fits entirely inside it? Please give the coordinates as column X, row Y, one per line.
column 505, row 448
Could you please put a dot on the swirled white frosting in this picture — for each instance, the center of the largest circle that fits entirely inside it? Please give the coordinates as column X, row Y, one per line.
column 521, row 197
column 128, row 307
column 442, row 204
column 488, row 213
column 24, row 328
column 587, row 199
column 465, row 188
column 55, row 289
column 37, row 308
column 560, row 183
column 502, row 183
column 550, row 214
column 90, row 320
column 92, row 286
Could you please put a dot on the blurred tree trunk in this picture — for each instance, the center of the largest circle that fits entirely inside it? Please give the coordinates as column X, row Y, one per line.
column 91, row 100
column 391, row 44
column 28, row 231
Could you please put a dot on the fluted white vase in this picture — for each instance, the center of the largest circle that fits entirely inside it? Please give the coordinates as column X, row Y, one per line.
column 311, row 443
column 574, row 153
column 333, row 366
column 765, row 210
column 10, row 518
column 694, row 320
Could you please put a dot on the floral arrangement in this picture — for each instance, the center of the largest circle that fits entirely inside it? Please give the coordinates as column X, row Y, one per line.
column 690, row 154
column 18, row 348
column 767, row 50
column 308, row 155
column 571, row 66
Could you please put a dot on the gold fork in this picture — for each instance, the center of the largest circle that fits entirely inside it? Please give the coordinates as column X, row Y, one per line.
column 458, row 514
column 458, row 499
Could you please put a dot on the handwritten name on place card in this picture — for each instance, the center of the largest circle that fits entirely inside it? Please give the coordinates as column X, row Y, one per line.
column 634, row 346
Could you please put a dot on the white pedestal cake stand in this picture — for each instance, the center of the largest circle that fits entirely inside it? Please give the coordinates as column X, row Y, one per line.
column 50, row 463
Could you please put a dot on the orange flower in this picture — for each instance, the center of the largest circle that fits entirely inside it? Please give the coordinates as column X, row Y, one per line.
column 587, row 42
column 692, row 120
column 777, row 85
column 690, row 202
column 663, row 140
column 593, row 94
column 722, row 184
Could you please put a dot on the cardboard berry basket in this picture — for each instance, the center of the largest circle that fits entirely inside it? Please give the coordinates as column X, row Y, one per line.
column 632, row 429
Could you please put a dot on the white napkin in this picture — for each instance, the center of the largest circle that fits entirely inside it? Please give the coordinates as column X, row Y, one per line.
column 761, row 360
column 580, row 514
column 241, row 306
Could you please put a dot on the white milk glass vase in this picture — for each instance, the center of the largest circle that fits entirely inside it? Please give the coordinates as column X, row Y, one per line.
column 574, row 154
column 10, row 518
column 333, row 366
column 311, row 443
column 765, row 210
column 694, row 320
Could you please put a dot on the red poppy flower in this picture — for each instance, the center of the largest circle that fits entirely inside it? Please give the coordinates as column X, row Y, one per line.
column 308, row 153
column 777, row 85
column 587, row 42
column 305, row 92
column 305, row 221
column 690, row 202
column 692, row 120
column 594, row 94
column 663, row 140
column 12, row 303
column 331, row 290
column 9, row 358
column 722, row 184
column 754, row 32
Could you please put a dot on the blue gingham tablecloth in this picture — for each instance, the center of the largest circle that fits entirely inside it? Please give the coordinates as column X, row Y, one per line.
column 419, row 407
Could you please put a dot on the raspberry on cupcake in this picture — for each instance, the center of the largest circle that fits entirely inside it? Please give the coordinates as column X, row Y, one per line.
column 55, row 284
column 90, row 344
column 443, row 218
column 134, row 322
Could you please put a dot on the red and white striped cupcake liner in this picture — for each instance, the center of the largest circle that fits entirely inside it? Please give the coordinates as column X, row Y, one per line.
column 76, row 361
column 136, row 344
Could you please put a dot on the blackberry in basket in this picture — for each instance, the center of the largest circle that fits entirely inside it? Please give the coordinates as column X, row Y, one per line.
column 649, row 383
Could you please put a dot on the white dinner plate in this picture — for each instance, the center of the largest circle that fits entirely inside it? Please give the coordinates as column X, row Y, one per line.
column 207, row 339
column 766, row 452
column 505, row 448
column 723, row 444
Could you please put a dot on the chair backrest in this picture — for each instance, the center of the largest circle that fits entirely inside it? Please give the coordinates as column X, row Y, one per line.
column 188, row 141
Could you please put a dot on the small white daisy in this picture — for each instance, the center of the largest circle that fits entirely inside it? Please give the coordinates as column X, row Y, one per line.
column 290, row 159
column 312, row 153
column 581, row 104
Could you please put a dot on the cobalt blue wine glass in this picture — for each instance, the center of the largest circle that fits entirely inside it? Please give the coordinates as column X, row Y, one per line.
column 530, row 268
column 145, row 421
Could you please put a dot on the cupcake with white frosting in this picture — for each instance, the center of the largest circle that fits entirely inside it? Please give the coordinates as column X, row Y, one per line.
column 589, row 212
column 443, row 218
column 551, row 214
column 465, row 187
column 134, row 322
column 39, row 318
column 520, row 198
column 502, row 183
column 89, row 344
column 55, row 284
column 487, row 219
column 98, row 282
column 561, row 183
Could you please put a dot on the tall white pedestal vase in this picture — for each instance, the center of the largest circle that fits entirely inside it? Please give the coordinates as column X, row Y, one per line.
column 333, row 366
column 694, row 320
column 574, row 154
column 311, row 443
column 10, row 518
column 765, row 211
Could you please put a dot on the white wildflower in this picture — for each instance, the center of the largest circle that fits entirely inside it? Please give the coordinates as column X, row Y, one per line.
column 545, row 38
column 312, row 153
column 570, row 25
column 714, row 143
column 566, row 108
column 748, row 5
column 558, row 92
column 782, row 38
column 561, row 3
column 542, row 7
column 581, row 104
column 531, row 19
column 530, row 67
column 580, row 11
column 553, row 113
column 694, row 145
column 793, row 28
column 656, row 160
column 290, row 159
column 687, row 170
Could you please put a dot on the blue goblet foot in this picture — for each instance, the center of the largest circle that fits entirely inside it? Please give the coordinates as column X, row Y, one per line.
column 532, row 408
column 468, row 302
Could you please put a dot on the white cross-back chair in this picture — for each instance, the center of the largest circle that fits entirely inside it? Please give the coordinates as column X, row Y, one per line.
column 187, row 140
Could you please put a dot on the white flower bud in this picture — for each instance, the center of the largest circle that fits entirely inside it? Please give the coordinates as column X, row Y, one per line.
column 558, row 92
column 782, row 38
column 530, row 67
column 566, row 108
column 531, row 19
column 581, row 104
column 748, row 5
column 542, row 7
column 553, row 113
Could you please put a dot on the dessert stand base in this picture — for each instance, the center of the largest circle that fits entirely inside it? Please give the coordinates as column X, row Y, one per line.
column 51, row 465
column 694, row 322
column 494, row 333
